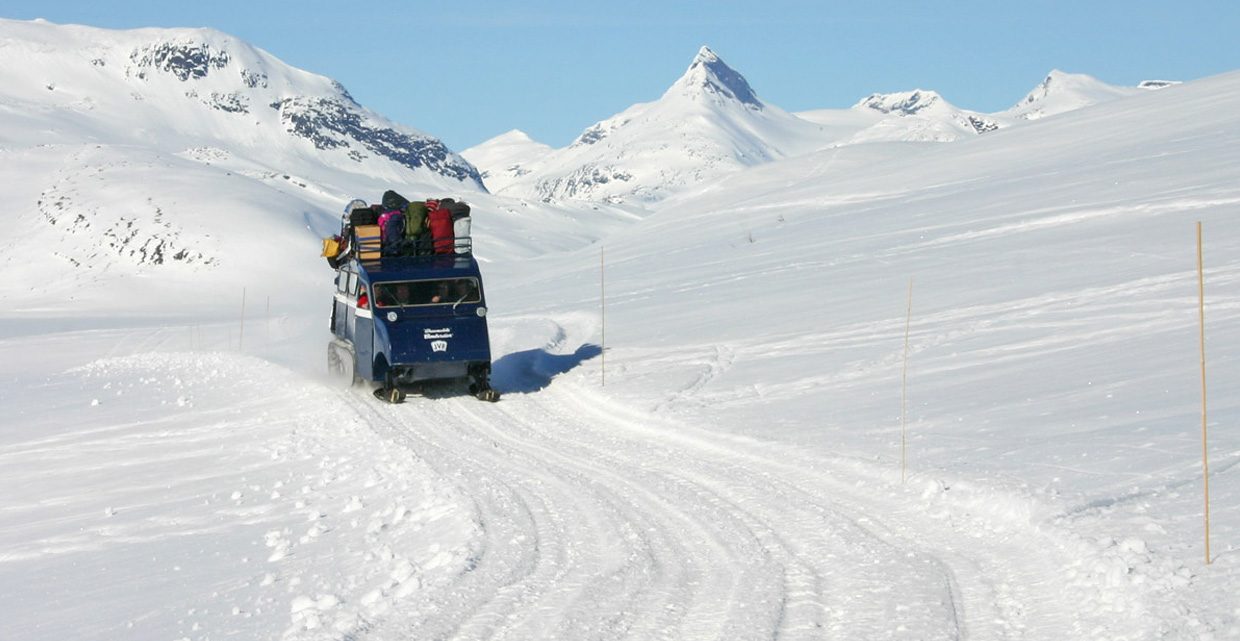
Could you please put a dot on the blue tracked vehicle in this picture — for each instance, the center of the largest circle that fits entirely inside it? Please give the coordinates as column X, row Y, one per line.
column 406, row 319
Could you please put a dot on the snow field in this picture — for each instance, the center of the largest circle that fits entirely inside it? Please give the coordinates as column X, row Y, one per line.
column 212, row 483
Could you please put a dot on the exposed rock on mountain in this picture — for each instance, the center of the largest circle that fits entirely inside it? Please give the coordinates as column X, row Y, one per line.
column 174, row 87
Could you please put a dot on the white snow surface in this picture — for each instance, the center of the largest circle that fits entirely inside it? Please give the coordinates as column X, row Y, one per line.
column 723, row 416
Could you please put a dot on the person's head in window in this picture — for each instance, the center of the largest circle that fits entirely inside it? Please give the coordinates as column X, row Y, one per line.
column 442, row 292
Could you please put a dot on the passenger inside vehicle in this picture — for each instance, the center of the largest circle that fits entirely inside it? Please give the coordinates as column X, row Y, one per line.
column 464, row 291
column 426, row 292
column 389, row 295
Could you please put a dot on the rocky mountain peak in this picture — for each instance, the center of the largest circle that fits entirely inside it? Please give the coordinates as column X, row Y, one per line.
column 905, row 103
column 709, row 75
column 211, row 90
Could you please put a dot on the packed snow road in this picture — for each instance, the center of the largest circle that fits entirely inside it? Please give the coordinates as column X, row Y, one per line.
column 597, row 521
column 205, row 494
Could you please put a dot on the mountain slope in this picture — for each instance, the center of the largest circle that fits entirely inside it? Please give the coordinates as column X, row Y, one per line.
column 505, row 158
column 1061, row 92
column 173, row 89
column 1036, row 290
column 128, row 130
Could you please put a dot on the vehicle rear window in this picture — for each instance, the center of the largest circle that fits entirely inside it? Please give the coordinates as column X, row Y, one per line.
column 439, row 291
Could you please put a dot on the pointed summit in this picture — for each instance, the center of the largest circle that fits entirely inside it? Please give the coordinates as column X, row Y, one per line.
column 1061, row 92
column 709, row 123
column 1057, row 82
column 710, row 75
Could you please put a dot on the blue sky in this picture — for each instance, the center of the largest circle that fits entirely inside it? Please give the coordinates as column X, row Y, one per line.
column 468, row 70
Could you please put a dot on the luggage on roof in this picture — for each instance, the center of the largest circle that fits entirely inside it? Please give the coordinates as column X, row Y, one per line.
column 440, row 223
column 364, row 216
column 398, row 227
column 460, row 226
column 393, row 201
column 369, row 241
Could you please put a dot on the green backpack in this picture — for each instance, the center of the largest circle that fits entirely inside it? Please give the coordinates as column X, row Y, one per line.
column 415, row 220
column 415, row 227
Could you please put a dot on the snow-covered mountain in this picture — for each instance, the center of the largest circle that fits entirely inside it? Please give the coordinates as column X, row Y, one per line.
column 130, row 128
column 924, row 116
column 918, row 116
column 195, row 107
column 709, row 123
column 1061, row 92
column 506, row 157
column 174, row 89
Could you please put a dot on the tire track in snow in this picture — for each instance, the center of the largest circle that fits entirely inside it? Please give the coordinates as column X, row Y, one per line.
column 504, row 519
column 581, row 565
column 604, row 522
column 789, row 540
column 946, row 576
column 665, row 553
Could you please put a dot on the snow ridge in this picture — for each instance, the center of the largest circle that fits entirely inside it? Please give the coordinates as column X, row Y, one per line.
column 1061, row 92
column 908, row 103
column 711, row 123
column 166, row 85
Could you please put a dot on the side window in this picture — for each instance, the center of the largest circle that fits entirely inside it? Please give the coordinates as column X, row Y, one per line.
column 352, row 285
column 342, row 281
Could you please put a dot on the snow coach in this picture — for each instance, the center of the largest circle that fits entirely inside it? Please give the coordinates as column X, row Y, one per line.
column 409, row 309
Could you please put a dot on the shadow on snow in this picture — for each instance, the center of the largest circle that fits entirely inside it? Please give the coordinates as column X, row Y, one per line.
column 534, row 369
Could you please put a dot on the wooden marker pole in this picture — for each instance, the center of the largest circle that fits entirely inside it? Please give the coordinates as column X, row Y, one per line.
column 908, row 321
column 241, row 336
column 602, row 305
column 1201, row 314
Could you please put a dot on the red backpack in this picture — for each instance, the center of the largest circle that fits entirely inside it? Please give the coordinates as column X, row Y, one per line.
column 439, row 220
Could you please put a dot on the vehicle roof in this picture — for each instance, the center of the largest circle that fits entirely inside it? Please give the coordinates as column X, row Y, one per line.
column 418, row 267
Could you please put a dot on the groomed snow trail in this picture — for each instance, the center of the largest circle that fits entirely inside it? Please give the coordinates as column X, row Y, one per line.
column 230, row 496
column 600, row 521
